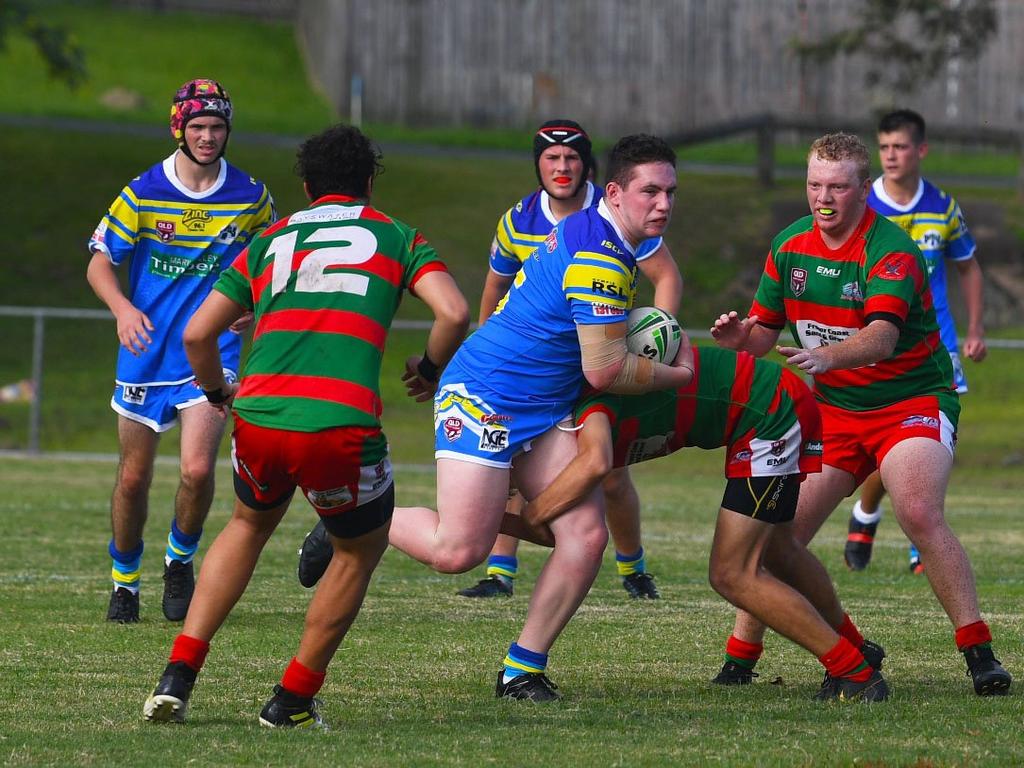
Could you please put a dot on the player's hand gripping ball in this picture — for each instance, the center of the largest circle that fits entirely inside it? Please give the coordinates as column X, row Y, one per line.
column 652, row 333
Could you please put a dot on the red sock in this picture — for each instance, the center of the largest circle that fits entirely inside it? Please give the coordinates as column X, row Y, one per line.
column 973, row 634
column 846, row 660
column 301, row 680
column 743, row 653
column 848, row 630
column 190, row 650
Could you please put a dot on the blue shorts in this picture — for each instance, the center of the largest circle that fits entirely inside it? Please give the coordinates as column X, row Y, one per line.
column 157, row 406
column 476, row 425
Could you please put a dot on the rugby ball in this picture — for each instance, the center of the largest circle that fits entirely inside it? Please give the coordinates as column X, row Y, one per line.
column 652, row 333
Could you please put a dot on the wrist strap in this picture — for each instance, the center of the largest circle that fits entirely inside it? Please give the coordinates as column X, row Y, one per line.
column 427, row 369
column 216, row 396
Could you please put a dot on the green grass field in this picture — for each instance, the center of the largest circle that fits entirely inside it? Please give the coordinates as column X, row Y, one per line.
column 413, row 682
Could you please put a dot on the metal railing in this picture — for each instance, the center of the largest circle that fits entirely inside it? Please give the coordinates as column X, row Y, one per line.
column 39, row 316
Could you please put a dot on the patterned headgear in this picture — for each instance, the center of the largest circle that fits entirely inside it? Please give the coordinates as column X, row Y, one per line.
column 569, row 133
column 194, row 99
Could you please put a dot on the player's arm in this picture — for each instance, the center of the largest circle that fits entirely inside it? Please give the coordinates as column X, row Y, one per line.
column 971, row 286
column 495, row 286
column 875, row 341
column 439, row 292
column 609, row 366
column 663, row 272
column 133, row 326
column 579, row 477
column 202, row 348
column 746, row 334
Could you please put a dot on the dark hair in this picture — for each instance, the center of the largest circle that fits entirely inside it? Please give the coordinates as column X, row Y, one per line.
column 904, row 119
column 339, row 161
column 631, row 151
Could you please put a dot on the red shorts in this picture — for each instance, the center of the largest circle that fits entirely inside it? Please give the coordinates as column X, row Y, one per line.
column 857, row 441
column 270, row 463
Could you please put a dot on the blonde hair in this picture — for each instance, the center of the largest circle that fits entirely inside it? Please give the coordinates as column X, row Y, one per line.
column 837, row 147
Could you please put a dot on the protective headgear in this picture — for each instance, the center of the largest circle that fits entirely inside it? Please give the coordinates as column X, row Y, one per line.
column 195, row 99
column 569, row 133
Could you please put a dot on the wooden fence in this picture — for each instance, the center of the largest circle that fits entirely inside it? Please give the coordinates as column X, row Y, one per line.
column 656, row 65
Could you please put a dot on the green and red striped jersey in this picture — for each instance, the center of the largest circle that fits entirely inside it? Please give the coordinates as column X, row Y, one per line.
column 324, row 285
column 826, row 296
column 731, row 394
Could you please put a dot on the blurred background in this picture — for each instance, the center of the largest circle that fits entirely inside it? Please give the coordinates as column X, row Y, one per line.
column 452, row 90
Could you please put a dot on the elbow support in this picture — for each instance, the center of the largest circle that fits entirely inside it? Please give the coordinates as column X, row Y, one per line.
column 603, row 346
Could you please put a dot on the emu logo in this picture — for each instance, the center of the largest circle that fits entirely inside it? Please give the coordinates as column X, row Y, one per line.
column 828, row 271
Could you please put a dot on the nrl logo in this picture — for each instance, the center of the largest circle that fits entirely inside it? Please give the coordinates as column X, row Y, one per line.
column 797, row 280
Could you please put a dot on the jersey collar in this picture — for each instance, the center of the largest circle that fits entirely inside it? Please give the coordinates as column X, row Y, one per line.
column 606, row 214
column 336, row 199
column 545, row 203
column 881, row 194
column 174, row 181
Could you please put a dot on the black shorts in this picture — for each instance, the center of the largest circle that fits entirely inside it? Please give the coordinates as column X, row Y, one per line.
column 768, row 499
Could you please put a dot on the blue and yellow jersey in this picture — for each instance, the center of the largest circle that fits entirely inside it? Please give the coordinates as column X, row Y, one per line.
column 584, row 272
column 177, row 242
column 524, row 226
column 933, row 219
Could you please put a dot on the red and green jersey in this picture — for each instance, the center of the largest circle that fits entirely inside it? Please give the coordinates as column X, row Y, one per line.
column 733, row 400
column 826, row 296
column 324, row 285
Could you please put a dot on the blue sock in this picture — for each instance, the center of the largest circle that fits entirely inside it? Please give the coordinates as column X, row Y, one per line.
column 627, row 565
column 915, row 556
column 125, row 567
column 521, row 661
column 503, row 567
column 181, row 546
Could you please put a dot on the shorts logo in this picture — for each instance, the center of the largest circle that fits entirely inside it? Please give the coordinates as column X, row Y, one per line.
column 851, row 292
column 741, row 456
column 551, row 241
column 166, row 230
column 778, row 447
column 920, row 421
column 195, row 219
column 134, row 395
column 331, row 498
column 453, row 428
column 797, row 280
column 494, row 440
column 606, row 310
column 495, row 418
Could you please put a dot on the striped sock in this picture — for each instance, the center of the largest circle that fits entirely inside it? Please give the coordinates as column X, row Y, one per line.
column 503, row 567
column 181, row 546
column 742, row 653
column 125, row 567
column 627, row 565
column 977, row 633
column 845, row 660
column 521, row 661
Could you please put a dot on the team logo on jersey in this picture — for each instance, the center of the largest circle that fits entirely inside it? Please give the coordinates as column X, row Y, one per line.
column 228, row 234
column 851, row 292
column 930, row 240
column 494, row 439
column 551, row 241
column 894, row 267
column 453, row 428
column 195, row 219
column 778, row 447
column 742, row 456
column 166, row 230
column 797, row 280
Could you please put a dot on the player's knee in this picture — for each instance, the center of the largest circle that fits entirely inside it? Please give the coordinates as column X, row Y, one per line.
column 196, row 474
column 727, row 578
column 921, row 520
column 458, row 558
column 134, row 481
